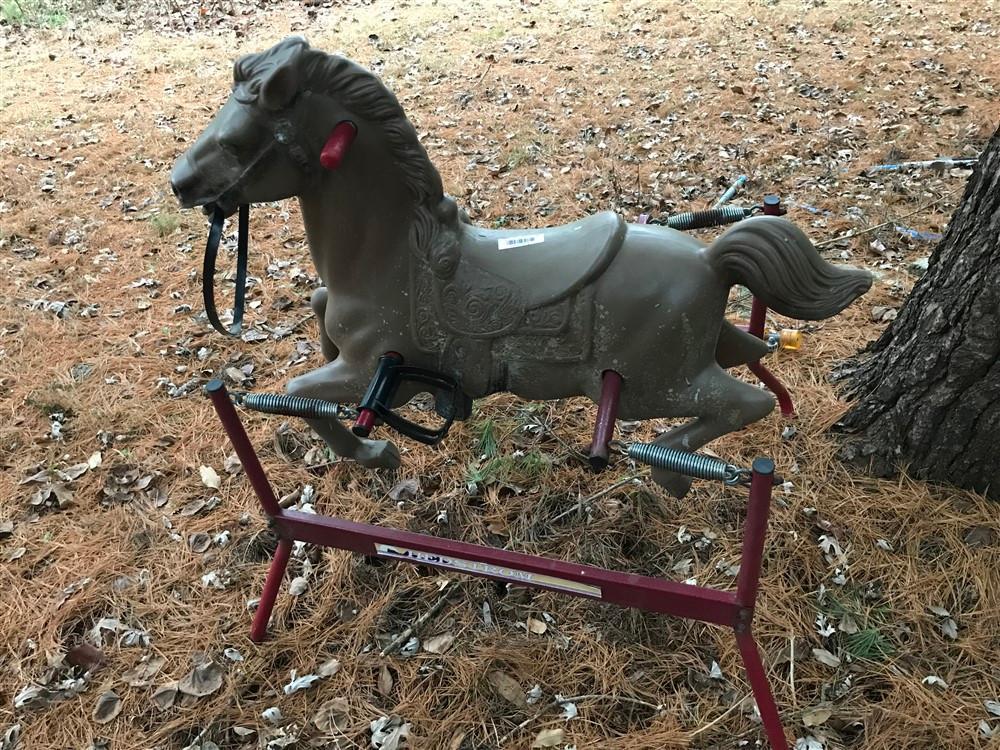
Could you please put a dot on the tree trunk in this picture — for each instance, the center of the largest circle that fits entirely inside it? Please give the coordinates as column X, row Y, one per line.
column 928, row 391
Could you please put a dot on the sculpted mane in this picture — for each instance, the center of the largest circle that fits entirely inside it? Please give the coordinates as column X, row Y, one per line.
column 433, row 231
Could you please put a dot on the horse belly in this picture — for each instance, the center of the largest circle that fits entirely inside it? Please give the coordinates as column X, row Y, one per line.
column 659, row 310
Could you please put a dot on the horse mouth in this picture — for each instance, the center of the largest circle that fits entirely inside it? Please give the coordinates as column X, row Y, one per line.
column 226, row 206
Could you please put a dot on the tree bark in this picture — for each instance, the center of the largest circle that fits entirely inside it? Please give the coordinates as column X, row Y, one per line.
column 928, row 391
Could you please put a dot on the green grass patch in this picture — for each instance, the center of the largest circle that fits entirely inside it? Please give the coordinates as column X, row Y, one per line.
column 486, row 438
column 164, row 224
column 870, row 644
column 872, row 640
column 36, row 13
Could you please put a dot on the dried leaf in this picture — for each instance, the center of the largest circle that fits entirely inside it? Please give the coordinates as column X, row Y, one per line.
column 439, row 643
column 509, row 688
column 534, row 695
column 6, row 528
column 538, row 627
column 569, row 710
column 817, row 715
column 141, row 675
column 272, row 715
column 209, row 477
column 847, row 625
column 67, row 592
column 949, row 628
column 11, row 739
column 385, row 681
column 933, row 679
column 85, row 656
column 108, row 706
column 192, row 507
column 992, row 707
column 304, row 682
column 298, row 586
column 329, row 668
column 199, row 541
column 203, row 680
column 32, row 696
column 825, row 657
column 332, row 716
column 405, row 490
column 389, row 732
column 549, row 737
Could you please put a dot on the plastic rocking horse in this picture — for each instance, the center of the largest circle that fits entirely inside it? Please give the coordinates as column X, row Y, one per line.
column 630, row 315
column 541, row 313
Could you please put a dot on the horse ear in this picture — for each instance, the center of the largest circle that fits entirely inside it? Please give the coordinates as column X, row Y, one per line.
column 280, row 87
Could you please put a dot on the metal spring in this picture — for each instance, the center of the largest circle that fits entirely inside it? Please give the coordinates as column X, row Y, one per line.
column 292, row 406
column 683, row 462
column 700, row 219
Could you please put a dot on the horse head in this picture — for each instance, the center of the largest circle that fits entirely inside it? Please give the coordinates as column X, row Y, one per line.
column 294, row 110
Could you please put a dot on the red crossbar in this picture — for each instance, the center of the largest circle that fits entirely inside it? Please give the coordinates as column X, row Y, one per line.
column 625, row 589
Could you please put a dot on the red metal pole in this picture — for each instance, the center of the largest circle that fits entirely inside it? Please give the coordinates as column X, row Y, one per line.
column 747, row 584
column 258, row 630
column 775, row 386
column 216, row 391
column 761, row 690
column 754, row 531
column 758, row 312
column 607, row 413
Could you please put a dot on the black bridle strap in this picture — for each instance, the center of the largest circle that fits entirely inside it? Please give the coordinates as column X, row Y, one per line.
column 208, row 270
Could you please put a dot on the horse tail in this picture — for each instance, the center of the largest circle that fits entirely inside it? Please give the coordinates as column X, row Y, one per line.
column 778, row 263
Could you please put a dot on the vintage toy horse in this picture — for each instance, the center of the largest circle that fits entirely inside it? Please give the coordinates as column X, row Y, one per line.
column 542, row 313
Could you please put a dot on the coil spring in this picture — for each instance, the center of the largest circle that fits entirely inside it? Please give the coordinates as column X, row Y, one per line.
column 700, row 219
column 683, row 462
column 292, row 406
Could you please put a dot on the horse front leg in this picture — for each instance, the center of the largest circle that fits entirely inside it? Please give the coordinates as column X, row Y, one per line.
column 336, row 381
column 318, row 302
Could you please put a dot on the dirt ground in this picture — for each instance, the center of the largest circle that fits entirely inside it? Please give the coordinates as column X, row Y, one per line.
column 130, row 542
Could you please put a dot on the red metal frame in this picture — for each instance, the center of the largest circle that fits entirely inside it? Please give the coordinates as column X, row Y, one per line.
column 758, row 313
column 733, row 609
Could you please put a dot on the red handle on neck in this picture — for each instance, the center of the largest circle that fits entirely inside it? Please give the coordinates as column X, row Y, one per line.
column 335, row 148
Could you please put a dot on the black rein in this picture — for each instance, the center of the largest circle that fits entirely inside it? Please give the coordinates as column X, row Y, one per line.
column 208, row 270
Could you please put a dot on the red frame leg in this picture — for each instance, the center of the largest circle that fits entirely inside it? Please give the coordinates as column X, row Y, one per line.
column 758, row 312
column 761, row 690
column 258, row 630
column 775, row 386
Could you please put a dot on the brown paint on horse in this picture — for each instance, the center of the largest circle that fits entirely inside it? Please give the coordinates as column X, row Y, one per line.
column 540, row 313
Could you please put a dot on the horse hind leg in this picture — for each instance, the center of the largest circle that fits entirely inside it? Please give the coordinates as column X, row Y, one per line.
column 724, row 404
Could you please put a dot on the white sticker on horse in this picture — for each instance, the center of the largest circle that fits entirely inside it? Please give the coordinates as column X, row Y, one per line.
column 528, row 239
column 486, row 569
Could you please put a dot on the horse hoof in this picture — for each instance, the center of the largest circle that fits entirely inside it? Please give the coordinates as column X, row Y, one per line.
column 378, row 454
column 676, row 484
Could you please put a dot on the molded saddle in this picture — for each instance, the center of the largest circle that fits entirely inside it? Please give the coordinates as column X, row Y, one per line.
column 546, row 265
